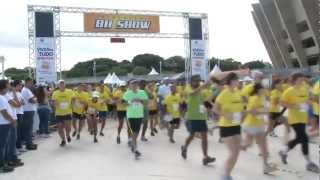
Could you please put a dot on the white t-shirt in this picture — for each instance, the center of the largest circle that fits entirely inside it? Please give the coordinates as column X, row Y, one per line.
column 27, row 95
column 4, row 105
column 20, row 98
column 12, row 110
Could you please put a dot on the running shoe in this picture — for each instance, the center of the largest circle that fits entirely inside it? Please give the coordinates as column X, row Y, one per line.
column 155, row 130
column 172, row 141
column 183, row 152
column 283, row 157
column 69, row 139
column 152, row 133
column 95, row 140
column 101, row 134
column 78, row 136
column 63, row 143
column 144, row 139
column 137, row 154
column 208, row 160
column 118, row 140
column 74, row 133
column 312, row 167
column 15, row 163
column 6, row 169
column 269, row 168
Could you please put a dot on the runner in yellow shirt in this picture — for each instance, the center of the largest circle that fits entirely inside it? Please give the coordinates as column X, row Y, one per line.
column 121, row 109
column 79, row 106
column 253, row 125
column 315, row 109
column 62, row 99
column 104, row 100
column 172, row 107
column 296, row 99
column 93, row 111
column 152, row 107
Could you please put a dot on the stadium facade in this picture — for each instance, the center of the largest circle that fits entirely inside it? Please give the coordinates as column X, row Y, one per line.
column 290, row 31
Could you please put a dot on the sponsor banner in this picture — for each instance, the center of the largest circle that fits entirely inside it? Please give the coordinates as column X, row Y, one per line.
column 199, row 60
column 99, row 22
column 45, row 60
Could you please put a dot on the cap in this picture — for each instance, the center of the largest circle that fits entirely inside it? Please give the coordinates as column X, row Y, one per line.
column 61, row 81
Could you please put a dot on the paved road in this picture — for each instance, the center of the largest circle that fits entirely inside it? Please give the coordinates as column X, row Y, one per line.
column 83, row 160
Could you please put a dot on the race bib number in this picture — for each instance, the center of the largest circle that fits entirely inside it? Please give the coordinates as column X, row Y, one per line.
column 63, row 105
column 175, row 107
column 167, row 118
column 237, row 118
column 304, row 107
column 202, row 109
column 136, row 104
column 91, row 110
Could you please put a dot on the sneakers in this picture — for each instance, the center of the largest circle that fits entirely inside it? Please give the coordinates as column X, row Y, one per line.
column 183, row 152
column 118, row 140
column 63, row 143
column 269, row 168
column 101, row 134
column 152, row 133
column 155, row 130
column 137, row 154
column 208, row 160
column 6, row 169
column 69, row 139
column 31, row 147
column 15, row 163
column 78, row 136
column 74, row 133
column 144, row 139
column 95, row 140
column 283, row 157
column 312, row 167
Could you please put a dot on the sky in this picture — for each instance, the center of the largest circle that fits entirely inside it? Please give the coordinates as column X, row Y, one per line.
column 232, row 32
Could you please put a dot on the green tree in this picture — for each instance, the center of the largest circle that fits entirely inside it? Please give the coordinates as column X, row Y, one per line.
column 174, row 64
column 256, row 65
column 148, row 61
column 225, row 64
column 139, row 70
column 17, row 74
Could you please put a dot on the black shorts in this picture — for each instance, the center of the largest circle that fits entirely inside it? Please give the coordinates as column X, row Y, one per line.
column 230, row 131
column 76, row 116
column 175, row 121
column 122, row 114
column 111, row 107
column 274, row 115
column 153, row 112
column 135, row 124
column 62, row 119
column 198, row 126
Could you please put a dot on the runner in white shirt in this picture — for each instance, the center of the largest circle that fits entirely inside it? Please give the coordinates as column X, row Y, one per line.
column 29, row 109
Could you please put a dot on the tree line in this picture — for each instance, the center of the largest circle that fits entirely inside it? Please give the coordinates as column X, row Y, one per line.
column 140, row 65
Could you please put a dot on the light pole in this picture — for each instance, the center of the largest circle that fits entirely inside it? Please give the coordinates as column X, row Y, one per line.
column 2, row 66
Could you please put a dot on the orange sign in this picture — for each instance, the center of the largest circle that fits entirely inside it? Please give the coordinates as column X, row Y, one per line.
column 99, row 22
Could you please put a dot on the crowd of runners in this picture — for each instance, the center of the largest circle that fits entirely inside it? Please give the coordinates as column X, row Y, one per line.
column 242, row 112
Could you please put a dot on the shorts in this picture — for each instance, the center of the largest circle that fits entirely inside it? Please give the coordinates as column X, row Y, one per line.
column 103, row 114
column 153, row 112
column 274, row 115
column 135, row 124
column 76, row 116
column 122, row 114
column 198, row 126
column 175, row 121
column 184, row 106
column 62, row 119
column 230, row 131
column 253, row 130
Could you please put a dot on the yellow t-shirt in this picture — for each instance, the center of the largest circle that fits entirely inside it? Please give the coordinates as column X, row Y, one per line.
column 104, row 98
column 182, row 91
column 316, row 94
column 207, row 93
column 230, row 102
column 246, row 90
column 172, row 103
column 254, row 102
column 63, row 102
column 274, row 101
column 296, row 96
column 152, row 103
column 118, row 94
column 93, row 107
column 80, row 102
column 285, row 86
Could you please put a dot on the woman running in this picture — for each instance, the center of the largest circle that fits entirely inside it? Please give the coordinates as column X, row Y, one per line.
column 93, row 110
column 121, row 109
column 79, row 106
column 229, row 107
column 296, row 100
column 152, row 107
column 253, row 125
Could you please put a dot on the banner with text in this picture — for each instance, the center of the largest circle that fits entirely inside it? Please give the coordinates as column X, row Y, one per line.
column 199, row 61
column 99, row 22
column 45, row 60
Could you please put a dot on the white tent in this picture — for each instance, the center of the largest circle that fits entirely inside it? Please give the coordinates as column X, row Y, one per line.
column 153, row 72
column 215, row 71
column 107, row 79
column 113, row 79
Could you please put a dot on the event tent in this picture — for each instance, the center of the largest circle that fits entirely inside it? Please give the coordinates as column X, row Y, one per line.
column 153, row 72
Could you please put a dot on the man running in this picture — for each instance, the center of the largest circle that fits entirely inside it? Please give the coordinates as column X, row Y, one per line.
column 63, row 109
column 80, row 101
column 197, row 116
column 135, row 99
column 121, row 108
column 104, row 99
